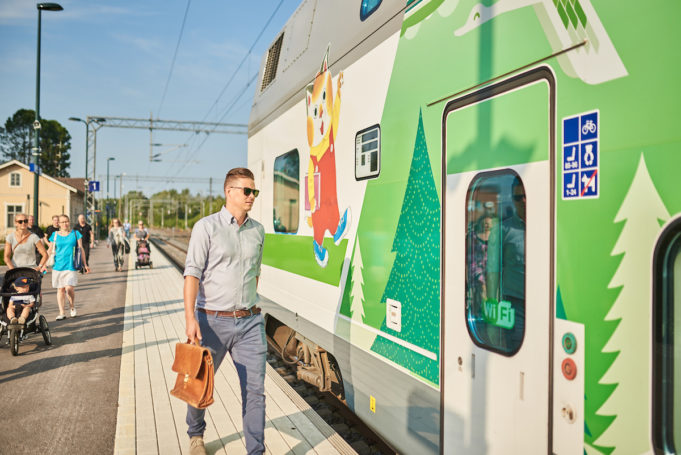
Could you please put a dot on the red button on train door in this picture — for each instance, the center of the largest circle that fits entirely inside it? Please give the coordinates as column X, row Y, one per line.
column 569, row 369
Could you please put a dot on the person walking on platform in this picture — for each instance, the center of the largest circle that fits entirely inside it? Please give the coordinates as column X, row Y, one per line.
column 64, row 274
column 21, row 244
column 35, row 229
column 141, row 233
column 220, row 280
column 88, row 236
column 126, row 226
column 52, row 228
column 117, row 241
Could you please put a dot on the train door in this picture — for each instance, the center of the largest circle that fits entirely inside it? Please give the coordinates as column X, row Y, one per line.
column 497, row 296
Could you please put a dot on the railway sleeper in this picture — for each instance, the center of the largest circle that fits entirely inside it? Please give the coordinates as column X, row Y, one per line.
column 314, row 364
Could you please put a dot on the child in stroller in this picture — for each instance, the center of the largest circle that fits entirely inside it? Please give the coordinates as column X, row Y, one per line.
column 21, row 303
column 22, row 285
column 143, row 254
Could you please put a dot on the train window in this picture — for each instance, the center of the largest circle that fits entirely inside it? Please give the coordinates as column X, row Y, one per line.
column 272, row 63
column 368, row 7
column 667, row 341
column 495, row 261
column 286, row 192
column 368, row 153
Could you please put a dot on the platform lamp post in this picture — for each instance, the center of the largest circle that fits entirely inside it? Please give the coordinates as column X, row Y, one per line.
column 108, row 209
column 87, row 146
column 35, row 156
column 120, row 196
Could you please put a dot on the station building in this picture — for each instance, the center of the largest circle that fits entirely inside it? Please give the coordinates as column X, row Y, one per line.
column 56, row 195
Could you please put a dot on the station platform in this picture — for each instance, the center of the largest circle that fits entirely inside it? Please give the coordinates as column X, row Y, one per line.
column 151, row 421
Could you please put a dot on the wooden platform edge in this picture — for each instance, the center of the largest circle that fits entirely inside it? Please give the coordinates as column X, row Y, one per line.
column 329, row 433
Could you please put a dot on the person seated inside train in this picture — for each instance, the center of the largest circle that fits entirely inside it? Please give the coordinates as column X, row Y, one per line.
column 505, row 274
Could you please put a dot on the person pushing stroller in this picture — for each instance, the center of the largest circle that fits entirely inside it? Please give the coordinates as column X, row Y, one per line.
column 142, row 249
column 20, row 304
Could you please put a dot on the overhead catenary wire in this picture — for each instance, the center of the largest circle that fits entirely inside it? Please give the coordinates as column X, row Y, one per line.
column 172, row 64
column 229, row 108
column 191, row 139
column 250, row 50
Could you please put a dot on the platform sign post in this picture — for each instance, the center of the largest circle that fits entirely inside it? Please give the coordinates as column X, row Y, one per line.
column 93, row 186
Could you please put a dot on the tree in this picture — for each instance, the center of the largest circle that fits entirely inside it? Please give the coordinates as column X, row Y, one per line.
column 357, row 295
column 16, row 138
column 55, row 143
column 415, row 275
column 641, row 209
column 16, row 142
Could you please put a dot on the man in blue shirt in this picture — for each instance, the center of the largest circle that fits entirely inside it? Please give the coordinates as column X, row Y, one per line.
column 220, row 279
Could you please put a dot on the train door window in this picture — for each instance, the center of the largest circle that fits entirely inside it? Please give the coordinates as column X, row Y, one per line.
column 667, row 341
column 286, row 192
column 368, row 7
column 495, row 261
column 15, row 179
column 368, row 153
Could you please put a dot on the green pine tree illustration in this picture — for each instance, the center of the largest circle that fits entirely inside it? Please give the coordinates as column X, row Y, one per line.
column 415, row 276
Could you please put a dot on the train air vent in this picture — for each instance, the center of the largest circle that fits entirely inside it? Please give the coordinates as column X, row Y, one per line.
column 272, row 62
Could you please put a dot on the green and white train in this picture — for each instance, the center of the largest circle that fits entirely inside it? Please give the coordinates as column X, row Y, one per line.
column 473, row 219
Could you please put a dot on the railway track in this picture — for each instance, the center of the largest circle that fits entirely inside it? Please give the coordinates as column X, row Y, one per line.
column 328, row 407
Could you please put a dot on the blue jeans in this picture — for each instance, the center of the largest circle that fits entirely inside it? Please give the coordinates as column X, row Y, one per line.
column 244, row 339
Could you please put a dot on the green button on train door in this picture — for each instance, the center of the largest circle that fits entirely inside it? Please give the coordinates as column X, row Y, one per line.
column 497, row 267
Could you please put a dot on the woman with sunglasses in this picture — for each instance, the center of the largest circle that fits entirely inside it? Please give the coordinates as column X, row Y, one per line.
column 64, row 275
column 21, row 245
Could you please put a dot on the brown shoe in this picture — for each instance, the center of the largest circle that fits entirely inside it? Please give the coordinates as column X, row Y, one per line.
column 196, row 446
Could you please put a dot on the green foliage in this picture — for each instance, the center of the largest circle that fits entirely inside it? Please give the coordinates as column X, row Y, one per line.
column 16, row 142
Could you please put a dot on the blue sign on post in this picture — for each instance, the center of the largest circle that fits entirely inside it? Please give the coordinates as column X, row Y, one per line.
column 32, row 167
column 93, row 186
column 581, row 145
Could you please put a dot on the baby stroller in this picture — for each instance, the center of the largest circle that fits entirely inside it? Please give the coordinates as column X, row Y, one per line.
column 35, row 322
column 143, row 255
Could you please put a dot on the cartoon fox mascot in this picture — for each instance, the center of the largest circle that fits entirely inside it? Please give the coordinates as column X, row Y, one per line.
column 323, row 111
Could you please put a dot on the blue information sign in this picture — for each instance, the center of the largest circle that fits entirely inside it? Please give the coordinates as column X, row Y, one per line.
column 32, row 167
column 581, row 146
column 93, row 186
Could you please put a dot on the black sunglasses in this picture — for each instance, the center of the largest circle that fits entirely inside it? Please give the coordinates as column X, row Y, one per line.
column 518, row 197
column 21, row 221
column 247, row 190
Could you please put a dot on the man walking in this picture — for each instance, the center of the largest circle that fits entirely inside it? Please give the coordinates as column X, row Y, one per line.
column 220, row 279
column 88, row 236
column 51, row 229
column 35, row 229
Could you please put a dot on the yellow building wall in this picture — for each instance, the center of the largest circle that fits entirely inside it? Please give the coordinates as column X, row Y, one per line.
column 54, row 198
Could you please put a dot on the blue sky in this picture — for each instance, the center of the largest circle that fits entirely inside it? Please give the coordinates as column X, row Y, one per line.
column 113, row 58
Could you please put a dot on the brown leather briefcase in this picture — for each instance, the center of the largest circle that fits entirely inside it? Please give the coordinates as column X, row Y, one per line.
column 195, row 375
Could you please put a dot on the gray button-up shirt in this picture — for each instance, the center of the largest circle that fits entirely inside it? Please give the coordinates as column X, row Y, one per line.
column 226, row 258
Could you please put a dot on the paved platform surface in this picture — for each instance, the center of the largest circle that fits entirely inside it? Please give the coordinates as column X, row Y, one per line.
column 150, row 421
column 103, row 386
column 62, row 399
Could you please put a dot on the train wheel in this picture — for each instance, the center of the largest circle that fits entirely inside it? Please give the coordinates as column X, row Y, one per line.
column 14, row 341
column 45, row 329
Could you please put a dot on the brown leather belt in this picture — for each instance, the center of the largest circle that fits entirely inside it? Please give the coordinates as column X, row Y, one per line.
column 232, row 314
